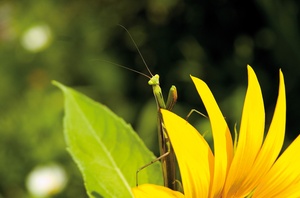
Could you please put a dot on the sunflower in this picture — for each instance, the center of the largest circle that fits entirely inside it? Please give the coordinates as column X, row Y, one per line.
column 249, row 166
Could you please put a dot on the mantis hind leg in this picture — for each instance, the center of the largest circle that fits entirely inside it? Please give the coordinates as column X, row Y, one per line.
column 167, row 159
column 150, row 163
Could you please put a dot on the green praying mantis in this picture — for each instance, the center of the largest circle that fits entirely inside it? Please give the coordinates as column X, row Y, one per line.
column 167, row 155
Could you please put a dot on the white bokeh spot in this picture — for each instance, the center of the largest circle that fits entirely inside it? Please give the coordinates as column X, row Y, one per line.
column 44, row 181
column 36, row 38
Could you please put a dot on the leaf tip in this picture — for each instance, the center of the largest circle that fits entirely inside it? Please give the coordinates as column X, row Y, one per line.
column 58, row 84
column 55, row 83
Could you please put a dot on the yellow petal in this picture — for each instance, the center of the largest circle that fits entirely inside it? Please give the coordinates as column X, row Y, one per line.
column 223, row 147
column 193, row 154
column 272, row 144
column 283, row 180
column 151, row 190
column 250, row 136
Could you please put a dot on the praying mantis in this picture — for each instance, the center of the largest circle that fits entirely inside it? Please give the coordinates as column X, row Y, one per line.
column 167, row 155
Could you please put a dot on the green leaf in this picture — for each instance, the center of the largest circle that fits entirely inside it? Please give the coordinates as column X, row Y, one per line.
column 106, row 149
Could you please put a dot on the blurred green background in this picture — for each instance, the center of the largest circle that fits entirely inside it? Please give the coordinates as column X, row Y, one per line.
column 70, row 41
